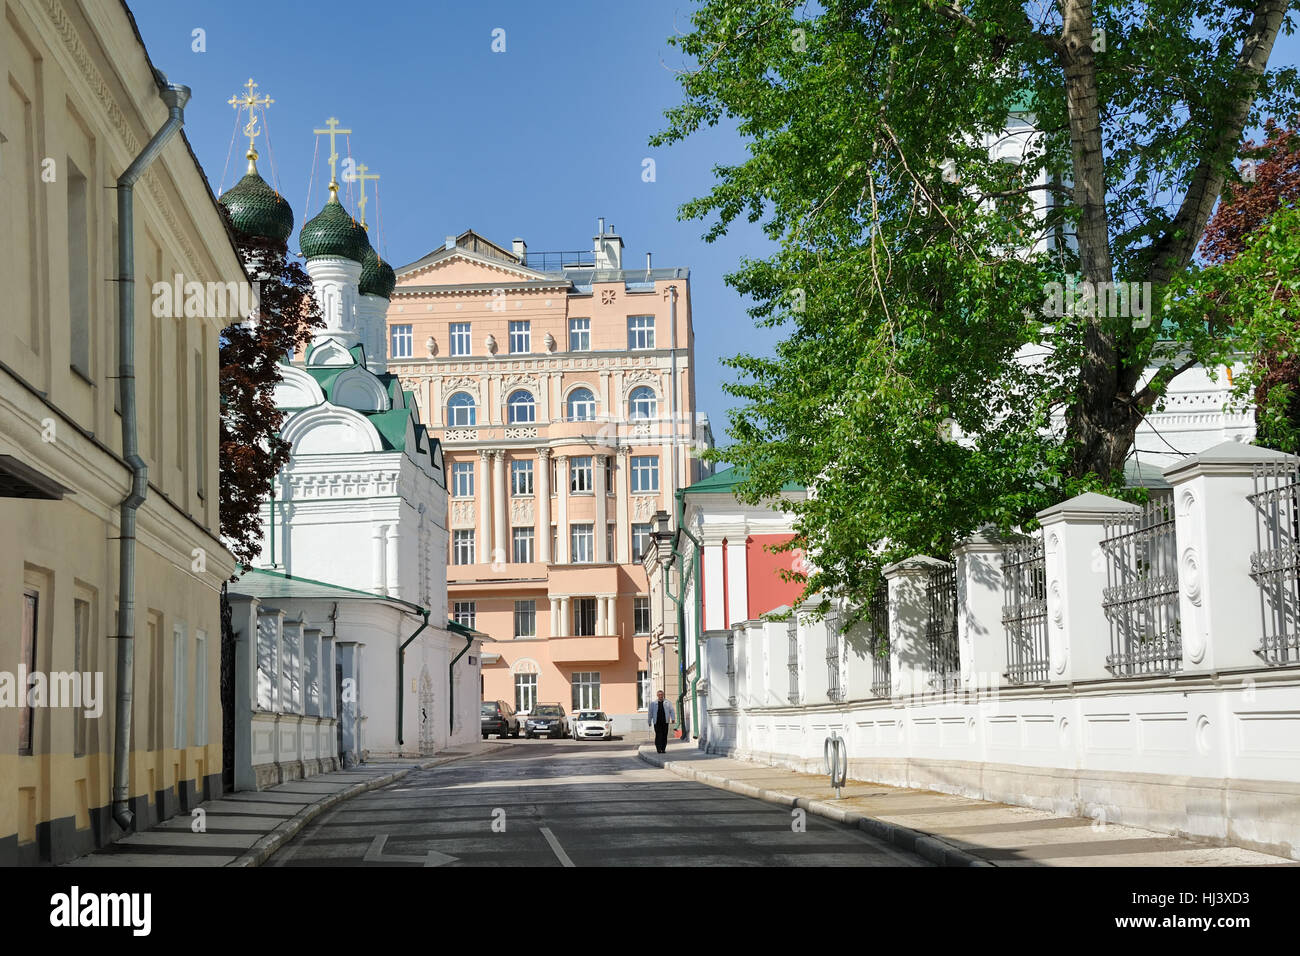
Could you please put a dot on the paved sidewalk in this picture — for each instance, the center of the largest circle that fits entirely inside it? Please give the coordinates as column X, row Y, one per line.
column 953, row 830
column 245, row 828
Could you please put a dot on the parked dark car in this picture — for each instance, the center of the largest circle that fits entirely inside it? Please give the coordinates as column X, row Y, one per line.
column 546, row 720
column 498, row 717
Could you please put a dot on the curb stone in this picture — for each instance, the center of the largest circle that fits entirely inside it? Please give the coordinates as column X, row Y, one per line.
column 264, row 848
column 925, row 845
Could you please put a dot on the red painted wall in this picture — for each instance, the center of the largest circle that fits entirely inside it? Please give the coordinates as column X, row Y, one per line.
column 765, row 588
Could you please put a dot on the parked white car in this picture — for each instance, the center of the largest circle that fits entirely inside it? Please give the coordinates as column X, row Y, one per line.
column 592, row 725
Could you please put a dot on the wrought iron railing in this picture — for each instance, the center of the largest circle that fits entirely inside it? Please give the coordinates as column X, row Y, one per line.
column 731, row 668
column 1141, row 594
column 1024, row 612
column 1275, row 565
column 941, row 630
column 834, row 654
column 878, row 613
column 792, row 633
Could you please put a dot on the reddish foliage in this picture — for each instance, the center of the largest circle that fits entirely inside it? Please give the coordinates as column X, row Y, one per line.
column 252, row 452
column 1245, row 209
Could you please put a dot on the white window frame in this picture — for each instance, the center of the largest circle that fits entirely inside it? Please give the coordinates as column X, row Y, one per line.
column 459, row 337
column 401, row 341
column 586, row 690
column 461, row 416
column 641, row 607
column 521, row 477
column 644, row 399
column 587, row 409
column 582, row 543
column 583, row 333
column 515, row 409
column 521, row 336
column 465, row 613
column 645, row 474
column 462, row 479
column 527, row 700
column 581, row 477
column 526, row 609
column 644, row 534
column 462, row 546
column 640, row 332
column 523, row 536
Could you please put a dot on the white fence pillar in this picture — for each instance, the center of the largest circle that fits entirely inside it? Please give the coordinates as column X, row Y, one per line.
column 981, row 640
column 1078, row 633
column 909, row 611
column 1215, row 523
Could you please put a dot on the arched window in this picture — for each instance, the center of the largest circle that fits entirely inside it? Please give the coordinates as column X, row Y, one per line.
column 582, row 405
column 641, row 403
column 461, row 410
column 521, row 408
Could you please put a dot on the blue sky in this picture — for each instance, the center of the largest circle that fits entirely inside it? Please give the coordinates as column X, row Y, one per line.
column 535, row 142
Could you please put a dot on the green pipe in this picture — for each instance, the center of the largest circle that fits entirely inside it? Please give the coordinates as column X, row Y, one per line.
column 401, row 673
column 451, row 684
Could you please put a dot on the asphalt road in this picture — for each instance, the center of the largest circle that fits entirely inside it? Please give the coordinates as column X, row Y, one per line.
column 571, row 803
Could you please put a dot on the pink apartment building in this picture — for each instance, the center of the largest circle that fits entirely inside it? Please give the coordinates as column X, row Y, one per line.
column 562, row 388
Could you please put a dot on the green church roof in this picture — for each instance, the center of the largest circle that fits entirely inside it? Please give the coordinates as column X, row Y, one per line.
column 377, row 276
column 333, row 232
column 728, row 481
column 257, row 209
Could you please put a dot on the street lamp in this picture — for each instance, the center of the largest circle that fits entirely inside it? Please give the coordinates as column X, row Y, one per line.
column 663, row 539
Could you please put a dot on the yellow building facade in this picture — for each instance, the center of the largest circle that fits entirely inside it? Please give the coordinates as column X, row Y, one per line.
column 81, row 102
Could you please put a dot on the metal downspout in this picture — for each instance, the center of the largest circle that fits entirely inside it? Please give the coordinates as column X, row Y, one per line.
column 401, row 673
column 451, row 685
column 175, row 96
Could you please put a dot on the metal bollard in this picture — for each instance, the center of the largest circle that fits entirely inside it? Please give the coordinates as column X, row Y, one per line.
column 836, row 755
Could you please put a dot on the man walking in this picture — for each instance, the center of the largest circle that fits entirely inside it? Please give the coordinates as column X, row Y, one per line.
column 659, row 717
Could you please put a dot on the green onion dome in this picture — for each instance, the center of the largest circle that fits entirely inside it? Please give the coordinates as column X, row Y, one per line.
column 257, row 209
column 333, row 233
column 377, row 276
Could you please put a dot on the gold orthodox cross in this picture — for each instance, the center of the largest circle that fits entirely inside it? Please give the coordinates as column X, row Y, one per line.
column 249, row 100
column 361, row 176
column 332, row 130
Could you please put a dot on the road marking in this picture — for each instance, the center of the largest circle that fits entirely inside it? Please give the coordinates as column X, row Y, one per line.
column 375, row 854
column 555, row 845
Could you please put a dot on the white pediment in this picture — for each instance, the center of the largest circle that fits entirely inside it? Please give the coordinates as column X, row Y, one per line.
column 330, row 430
column 330, row 352
column 297, row 389
column 358, row 388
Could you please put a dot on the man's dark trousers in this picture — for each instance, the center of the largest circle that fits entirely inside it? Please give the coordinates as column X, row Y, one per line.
column 661, row 729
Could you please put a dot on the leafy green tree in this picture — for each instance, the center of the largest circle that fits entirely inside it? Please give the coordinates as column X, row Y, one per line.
column 915, row 263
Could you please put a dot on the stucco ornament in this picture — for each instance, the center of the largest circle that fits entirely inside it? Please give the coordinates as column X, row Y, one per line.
column 431, row 345
column 550, row 342
column 491, row 343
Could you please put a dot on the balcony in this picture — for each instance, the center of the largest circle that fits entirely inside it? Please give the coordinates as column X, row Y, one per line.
column 600, row 649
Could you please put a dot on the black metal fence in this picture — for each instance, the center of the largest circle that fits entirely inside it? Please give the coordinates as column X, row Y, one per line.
column 879, row 640
column 1275, row 565
column 731, row 668
column 941, row 630
column 792, row 633
column 1141, row 594
column 834, row 655
column 1024, row 611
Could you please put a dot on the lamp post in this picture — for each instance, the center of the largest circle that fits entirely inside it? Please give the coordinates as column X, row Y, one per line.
column 665, row 540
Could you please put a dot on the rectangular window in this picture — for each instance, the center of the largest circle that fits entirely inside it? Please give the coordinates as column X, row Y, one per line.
column 464, row 613
column 399, row 341
column 640, row 540
column 581, row 544
column 462, row 547
column 641, row 615
column 520, row 337
column 645, row 473
column 586, row 690
column 522, row 540
column 640, row 331
column 555, row 543
column 200, row 688
column 525, row 693
column 579, row 335
column 580, row 475
column 609, row 542
column 79, row 255
column 584, row 617
column 26, row 714
column 180, row 728
column 462, row 479
column 459, row 337
column 609, row 477
column 521, row 477
column 526, row 618
column 642, row 690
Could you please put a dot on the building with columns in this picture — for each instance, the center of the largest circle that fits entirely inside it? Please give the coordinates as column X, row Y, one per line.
column 562, row 386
